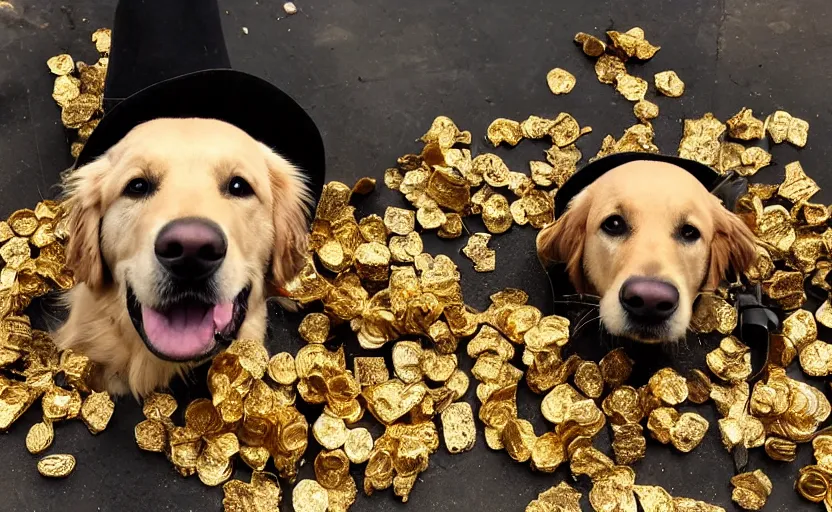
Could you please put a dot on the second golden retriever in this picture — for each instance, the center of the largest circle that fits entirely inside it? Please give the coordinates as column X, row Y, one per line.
column 177, row 232
column 646, row 237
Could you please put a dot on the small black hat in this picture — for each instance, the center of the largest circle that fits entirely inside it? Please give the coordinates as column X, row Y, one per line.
column 594, row 170
column 168, row 59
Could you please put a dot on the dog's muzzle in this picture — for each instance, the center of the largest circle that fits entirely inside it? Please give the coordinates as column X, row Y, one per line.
column 187, row 323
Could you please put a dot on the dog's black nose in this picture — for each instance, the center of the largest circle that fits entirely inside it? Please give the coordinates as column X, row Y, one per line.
column 649, row 300
column 191, row 249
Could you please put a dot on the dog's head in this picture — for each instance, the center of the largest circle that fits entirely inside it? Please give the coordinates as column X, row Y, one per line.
column 187, row 219
column 647, row 237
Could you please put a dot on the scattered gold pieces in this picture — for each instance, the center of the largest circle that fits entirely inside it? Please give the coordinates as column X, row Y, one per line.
column 631, row 87
column 330, row 432
column 744, row 126
column 96, row 411
column 654, row 499
column 309, row 496
column 633, row 44
column 699, row 387
column 314, row 328
column 504, row 130
column 477, row 251
column 458, row 427
column 151, row 435
column 496, row 215
column 102, row 39
column 591, row 45
column 399, row 220
column 669, row 84
column 444, row 132
column 608, row 68
column 358, row 445
column 730, row 362
column 781, row 449
column 588, row 379
column 629, row 444
column 781, row 126
column 616, row 367
column 645, row 110
column 56, row 466
column 751, row 490
column 560, row 81
column 370, row 370
column 688, row 431
column 61, row 65
column 700, row 140
column 669, row 387
column 660, row 422
column 561, row 498
column 797, row 187
column 712, row 313
column 40, row 437
column 262, row 494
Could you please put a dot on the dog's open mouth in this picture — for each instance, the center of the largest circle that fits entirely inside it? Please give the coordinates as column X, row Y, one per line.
column 188, row 329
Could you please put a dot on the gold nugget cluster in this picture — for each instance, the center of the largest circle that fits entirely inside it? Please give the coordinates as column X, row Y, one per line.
column 31, row 367
column 371, row 276
column 79, row 89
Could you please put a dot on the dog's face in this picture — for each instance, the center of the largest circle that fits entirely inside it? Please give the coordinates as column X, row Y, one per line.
column 188, row 218
column 646, row 237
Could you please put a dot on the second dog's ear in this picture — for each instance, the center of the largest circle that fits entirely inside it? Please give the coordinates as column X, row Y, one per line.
column 732, row 246
column 84, row 207
column 563, row 241
column 291, row 202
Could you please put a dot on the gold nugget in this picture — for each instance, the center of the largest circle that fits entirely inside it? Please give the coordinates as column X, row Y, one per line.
column 631, row 87
column 97, row 411
column 56, row 466
column 458, row 427
column 560, row 81
column 751, row 490
column 39, row 438
column 309, row 496
column 669, row 84
column 477, row 251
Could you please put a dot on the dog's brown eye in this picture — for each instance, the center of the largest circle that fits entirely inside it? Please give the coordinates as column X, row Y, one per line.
column 689, row 233
column 138, row 188
column 615, row 225
column 238, row 187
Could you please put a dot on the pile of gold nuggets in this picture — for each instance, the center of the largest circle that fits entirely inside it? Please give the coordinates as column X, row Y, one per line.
column 396, row 297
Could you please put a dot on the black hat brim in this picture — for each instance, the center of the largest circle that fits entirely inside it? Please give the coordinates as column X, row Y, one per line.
column 594, row 170
column 250, row 103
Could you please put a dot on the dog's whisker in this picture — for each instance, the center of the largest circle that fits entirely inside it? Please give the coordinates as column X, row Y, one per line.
column 585, row 323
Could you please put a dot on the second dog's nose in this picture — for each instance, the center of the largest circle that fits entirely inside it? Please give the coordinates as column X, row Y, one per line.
column 191, row 248
column 649, row 300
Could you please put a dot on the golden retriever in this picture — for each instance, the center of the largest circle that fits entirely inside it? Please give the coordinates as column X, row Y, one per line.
column 178, row 232
column 647, row 237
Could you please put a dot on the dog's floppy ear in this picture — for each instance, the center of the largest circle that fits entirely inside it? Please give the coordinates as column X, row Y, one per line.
column 83, row 203
column 732, row 246
column 291, row 204
column 563, row 241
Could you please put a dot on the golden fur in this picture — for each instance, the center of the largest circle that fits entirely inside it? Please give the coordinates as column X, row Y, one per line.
column 112, row 237
column 655, row 199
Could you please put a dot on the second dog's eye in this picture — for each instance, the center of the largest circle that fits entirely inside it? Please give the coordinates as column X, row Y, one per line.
column 138, row 188
column 689, row 233
column 615, row 225
column 238, row 187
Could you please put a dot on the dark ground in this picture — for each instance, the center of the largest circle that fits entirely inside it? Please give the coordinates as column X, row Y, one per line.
column 374, row 74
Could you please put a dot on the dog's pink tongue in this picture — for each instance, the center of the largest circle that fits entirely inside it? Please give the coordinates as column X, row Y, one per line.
column 187, row 331
column 222, row 315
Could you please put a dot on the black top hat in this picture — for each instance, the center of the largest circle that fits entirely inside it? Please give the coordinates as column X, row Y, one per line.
column 168, row 59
